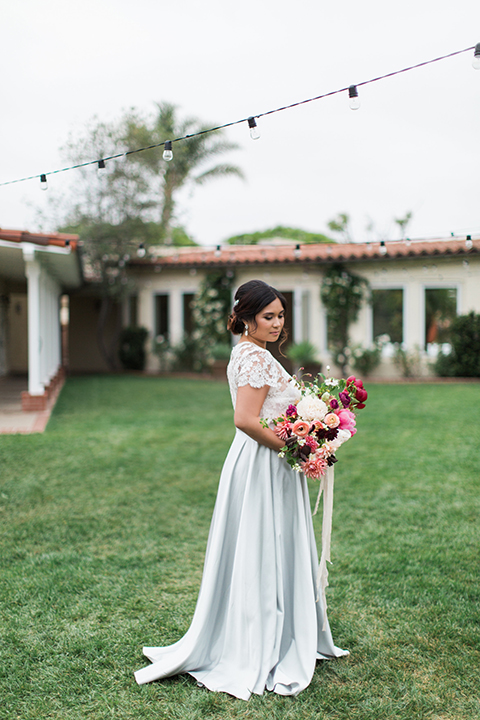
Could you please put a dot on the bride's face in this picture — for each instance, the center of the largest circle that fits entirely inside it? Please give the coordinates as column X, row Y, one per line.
column 269, row 322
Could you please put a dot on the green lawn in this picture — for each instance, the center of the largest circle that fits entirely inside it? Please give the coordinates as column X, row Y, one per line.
column 104, row 525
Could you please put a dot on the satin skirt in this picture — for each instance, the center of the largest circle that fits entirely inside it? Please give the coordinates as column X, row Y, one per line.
column 258, row 623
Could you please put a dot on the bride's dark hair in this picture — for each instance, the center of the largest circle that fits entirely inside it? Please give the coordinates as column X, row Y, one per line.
column 250, row 299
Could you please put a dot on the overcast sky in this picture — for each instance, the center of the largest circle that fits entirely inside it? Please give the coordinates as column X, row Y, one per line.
column 414, row 144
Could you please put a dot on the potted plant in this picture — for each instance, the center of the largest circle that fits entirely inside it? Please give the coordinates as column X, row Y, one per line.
column 304, row 355
column 221, row 355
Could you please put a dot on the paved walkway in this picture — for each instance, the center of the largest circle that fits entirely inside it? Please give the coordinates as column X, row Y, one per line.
column 12, row 418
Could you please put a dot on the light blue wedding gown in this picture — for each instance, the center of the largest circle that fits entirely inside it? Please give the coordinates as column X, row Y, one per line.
column 257, row 623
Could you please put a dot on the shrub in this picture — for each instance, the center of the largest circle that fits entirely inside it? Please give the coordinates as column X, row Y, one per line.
column 464, row 360
column 132, row 348
column 366, row 360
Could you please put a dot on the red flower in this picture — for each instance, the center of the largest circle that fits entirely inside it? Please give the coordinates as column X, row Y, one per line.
column 361, row 394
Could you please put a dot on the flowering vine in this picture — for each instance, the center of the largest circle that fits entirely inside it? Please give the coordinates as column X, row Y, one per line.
column 342, row 294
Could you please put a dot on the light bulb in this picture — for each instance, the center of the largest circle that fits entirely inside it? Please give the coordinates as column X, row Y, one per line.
column 101, row 167
column 354, row 99
column 254, row 131
column 167, row 153
column 468, row 242
column 141, row 252
column 383, row 248
column 476, row 57
column 43, row 182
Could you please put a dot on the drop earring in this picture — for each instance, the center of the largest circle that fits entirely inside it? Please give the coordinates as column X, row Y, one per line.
column 246, row 330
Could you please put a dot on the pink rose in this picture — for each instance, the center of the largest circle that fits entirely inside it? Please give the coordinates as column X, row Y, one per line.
column 300, row 428
column 358, row 383
column 283, row 429
column 347, row 421
column 351, row 379
column 331, row 420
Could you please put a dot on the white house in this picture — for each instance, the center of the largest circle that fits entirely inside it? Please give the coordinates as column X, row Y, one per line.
column 402, row 275
column 36, row 269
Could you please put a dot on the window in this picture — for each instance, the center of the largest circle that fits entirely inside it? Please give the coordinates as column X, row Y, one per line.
column 187, row 313
column 388, row 314
column 440, row 310
column 161, row 315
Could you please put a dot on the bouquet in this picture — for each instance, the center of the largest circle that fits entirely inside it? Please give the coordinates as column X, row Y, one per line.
column 319, row 423
column 313, row 430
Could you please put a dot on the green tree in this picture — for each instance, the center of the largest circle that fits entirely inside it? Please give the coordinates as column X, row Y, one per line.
column 191, row 157
column 404, row 222
column 341, row 224
column 131, row 203
column 296, row 234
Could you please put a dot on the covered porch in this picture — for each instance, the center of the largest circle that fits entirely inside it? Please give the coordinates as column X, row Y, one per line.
column 35, row 270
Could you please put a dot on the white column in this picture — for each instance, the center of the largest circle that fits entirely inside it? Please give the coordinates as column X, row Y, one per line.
column 414, row 315
column 146, row 308
column 33, row 272
column 175, row 319
column 297, row 315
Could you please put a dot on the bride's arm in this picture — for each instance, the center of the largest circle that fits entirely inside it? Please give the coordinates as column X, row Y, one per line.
column 247, row 416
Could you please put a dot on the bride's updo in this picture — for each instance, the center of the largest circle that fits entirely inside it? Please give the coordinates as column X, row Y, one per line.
column 250, row 299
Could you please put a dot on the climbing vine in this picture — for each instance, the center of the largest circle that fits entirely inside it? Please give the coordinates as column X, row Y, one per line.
column 342, row 293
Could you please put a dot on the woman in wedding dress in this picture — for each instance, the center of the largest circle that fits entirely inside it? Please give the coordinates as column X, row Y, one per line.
column 257, row 624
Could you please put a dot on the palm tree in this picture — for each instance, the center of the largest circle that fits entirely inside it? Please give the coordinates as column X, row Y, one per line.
column 191, row 156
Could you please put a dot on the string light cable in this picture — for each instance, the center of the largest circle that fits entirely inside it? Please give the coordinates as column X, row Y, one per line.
column 250, row 120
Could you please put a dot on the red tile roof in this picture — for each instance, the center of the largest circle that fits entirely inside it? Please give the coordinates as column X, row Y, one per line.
column 322, row 253
column 58, row 239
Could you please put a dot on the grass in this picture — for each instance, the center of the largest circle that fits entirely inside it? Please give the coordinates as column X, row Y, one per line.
column 104, row 525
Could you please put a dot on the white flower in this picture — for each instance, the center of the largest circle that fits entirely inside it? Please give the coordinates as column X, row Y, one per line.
column 311, row 408
column 331, row 382
column 342, row 436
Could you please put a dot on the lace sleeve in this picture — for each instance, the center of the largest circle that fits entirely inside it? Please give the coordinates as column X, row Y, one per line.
column 257, row 368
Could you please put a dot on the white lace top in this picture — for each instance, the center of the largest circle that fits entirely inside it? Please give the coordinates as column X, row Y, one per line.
column 252, row 365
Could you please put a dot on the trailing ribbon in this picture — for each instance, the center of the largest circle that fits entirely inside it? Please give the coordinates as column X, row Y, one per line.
column 326, row 486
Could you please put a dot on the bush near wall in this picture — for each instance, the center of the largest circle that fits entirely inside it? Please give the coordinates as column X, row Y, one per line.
column 464, row 360
column 132, row 348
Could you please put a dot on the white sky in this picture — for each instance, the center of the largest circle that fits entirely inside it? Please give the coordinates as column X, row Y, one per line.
column 414, row 145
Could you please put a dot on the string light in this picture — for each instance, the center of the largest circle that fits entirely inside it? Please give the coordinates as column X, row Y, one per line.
column 383, row 248
column 354, row 99
column 468, row 242
column 141, row 252
column 102, row 167
column 476, row 57
column 297, row 252
column 168, row 153
column 251, row 120
column 43, row 182
column 254, row 131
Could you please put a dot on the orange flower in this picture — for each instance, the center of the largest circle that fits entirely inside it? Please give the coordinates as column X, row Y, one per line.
column 300, row 428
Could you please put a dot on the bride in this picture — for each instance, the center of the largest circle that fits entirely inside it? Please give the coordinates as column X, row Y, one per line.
column 257, row 624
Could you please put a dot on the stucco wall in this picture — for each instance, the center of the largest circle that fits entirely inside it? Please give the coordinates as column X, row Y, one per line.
column 413, row 276
column 84, row 353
